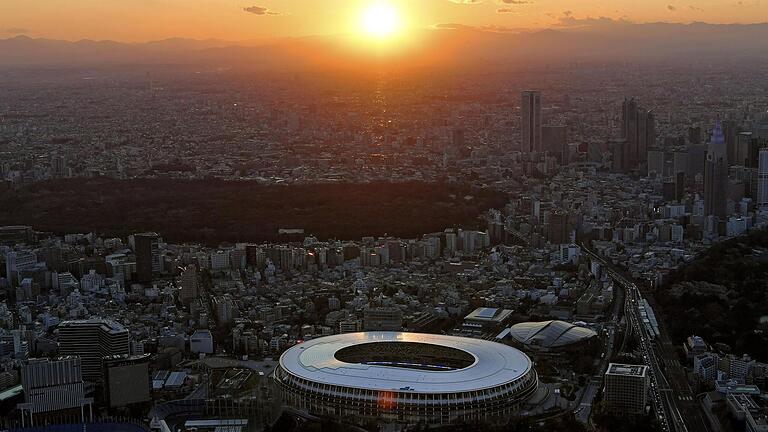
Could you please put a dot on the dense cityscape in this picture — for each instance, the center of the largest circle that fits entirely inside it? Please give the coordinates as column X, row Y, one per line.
column 568, row 248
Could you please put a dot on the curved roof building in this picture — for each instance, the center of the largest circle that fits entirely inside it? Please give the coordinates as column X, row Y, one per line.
column 549, row 334
column 405, row 377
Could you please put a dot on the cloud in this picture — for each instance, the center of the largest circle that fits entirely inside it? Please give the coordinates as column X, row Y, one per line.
column 469, row 2
column 507, row 3
column 671, row 8
column 695, row 8
column 14, row 30
column 258, row 10
column 568, row 20
column 486, row 28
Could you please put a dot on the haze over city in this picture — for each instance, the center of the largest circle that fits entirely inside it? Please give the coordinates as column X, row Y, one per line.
column 383, row 215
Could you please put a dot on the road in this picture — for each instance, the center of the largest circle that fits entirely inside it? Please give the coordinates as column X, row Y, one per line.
column 674, row 402
column 584, row 407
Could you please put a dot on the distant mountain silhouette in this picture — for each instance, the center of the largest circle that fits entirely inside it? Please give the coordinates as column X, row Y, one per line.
column 576, row 40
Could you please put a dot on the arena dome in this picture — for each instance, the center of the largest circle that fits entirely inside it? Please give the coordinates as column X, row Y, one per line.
column 549, row 334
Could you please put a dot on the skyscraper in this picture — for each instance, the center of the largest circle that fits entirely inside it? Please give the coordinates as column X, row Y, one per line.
column 146, row 247
column 762, row 180
column 190, row 288
column 92, row 340
column 638, row 127
column 716, row 175
column 530, row 125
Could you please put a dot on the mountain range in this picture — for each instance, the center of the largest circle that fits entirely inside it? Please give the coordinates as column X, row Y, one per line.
column 592, row 40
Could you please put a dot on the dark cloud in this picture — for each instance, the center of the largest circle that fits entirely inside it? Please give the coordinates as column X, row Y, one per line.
column 671, row 8
column 258, row 10
column 568, row 20
column 466, row 1
column 695, row 8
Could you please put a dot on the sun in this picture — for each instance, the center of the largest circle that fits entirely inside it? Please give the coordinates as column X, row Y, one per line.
column 380, row 20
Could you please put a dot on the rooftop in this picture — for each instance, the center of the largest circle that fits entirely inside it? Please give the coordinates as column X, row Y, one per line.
column 494, row 364
column 626, row 369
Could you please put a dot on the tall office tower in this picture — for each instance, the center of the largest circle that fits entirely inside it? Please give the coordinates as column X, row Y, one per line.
column 554, row 139
column 656, row 163
column 638, row 127
column 190, row 287
column 557, row 228
column 52, row 385
column 731, row 132
column 626, row 388
column 146, row 248
column 716, row 176
column 646, row 133
column 92, row 340
column 744, row 145
column 762, row 180
column 126, row 379
column 530, row 124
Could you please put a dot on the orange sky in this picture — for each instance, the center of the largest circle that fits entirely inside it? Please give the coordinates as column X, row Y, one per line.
column 142, row 20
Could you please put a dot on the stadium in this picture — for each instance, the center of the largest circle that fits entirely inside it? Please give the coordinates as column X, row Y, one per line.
column 405, row 377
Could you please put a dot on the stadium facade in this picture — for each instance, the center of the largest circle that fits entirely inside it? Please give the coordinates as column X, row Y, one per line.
column 405, row 377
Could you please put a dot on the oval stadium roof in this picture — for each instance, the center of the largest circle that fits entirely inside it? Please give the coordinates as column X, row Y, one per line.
column 550, row 334
column 494, row 364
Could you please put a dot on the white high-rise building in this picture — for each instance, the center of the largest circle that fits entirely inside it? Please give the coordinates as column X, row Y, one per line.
column 762, row 180
column 530, row 122
column 52, row 385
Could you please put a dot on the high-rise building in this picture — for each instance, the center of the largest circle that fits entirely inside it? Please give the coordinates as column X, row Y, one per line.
column 92, row 340
column 716, row 176
column 626, row 388
column 762, row 179
column 146, row 248
column 190, row 287
column 16, row 261
column 638, row 127
column 557, row 229
column 530, row 126
column 52, row 385
column 554, row 139
column 127, row 379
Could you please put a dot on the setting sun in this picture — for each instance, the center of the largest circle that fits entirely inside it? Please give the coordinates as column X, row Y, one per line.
column 380, row 20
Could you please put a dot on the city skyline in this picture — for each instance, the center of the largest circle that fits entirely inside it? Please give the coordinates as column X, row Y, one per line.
column 369, row 215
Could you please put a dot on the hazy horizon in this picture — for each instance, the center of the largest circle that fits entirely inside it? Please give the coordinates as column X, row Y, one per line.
column 141, row 21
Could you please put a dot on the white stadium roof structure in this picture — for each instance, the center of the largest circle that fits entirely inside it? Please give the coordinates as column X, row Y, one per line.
column 550, row 334
column 402, row 374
